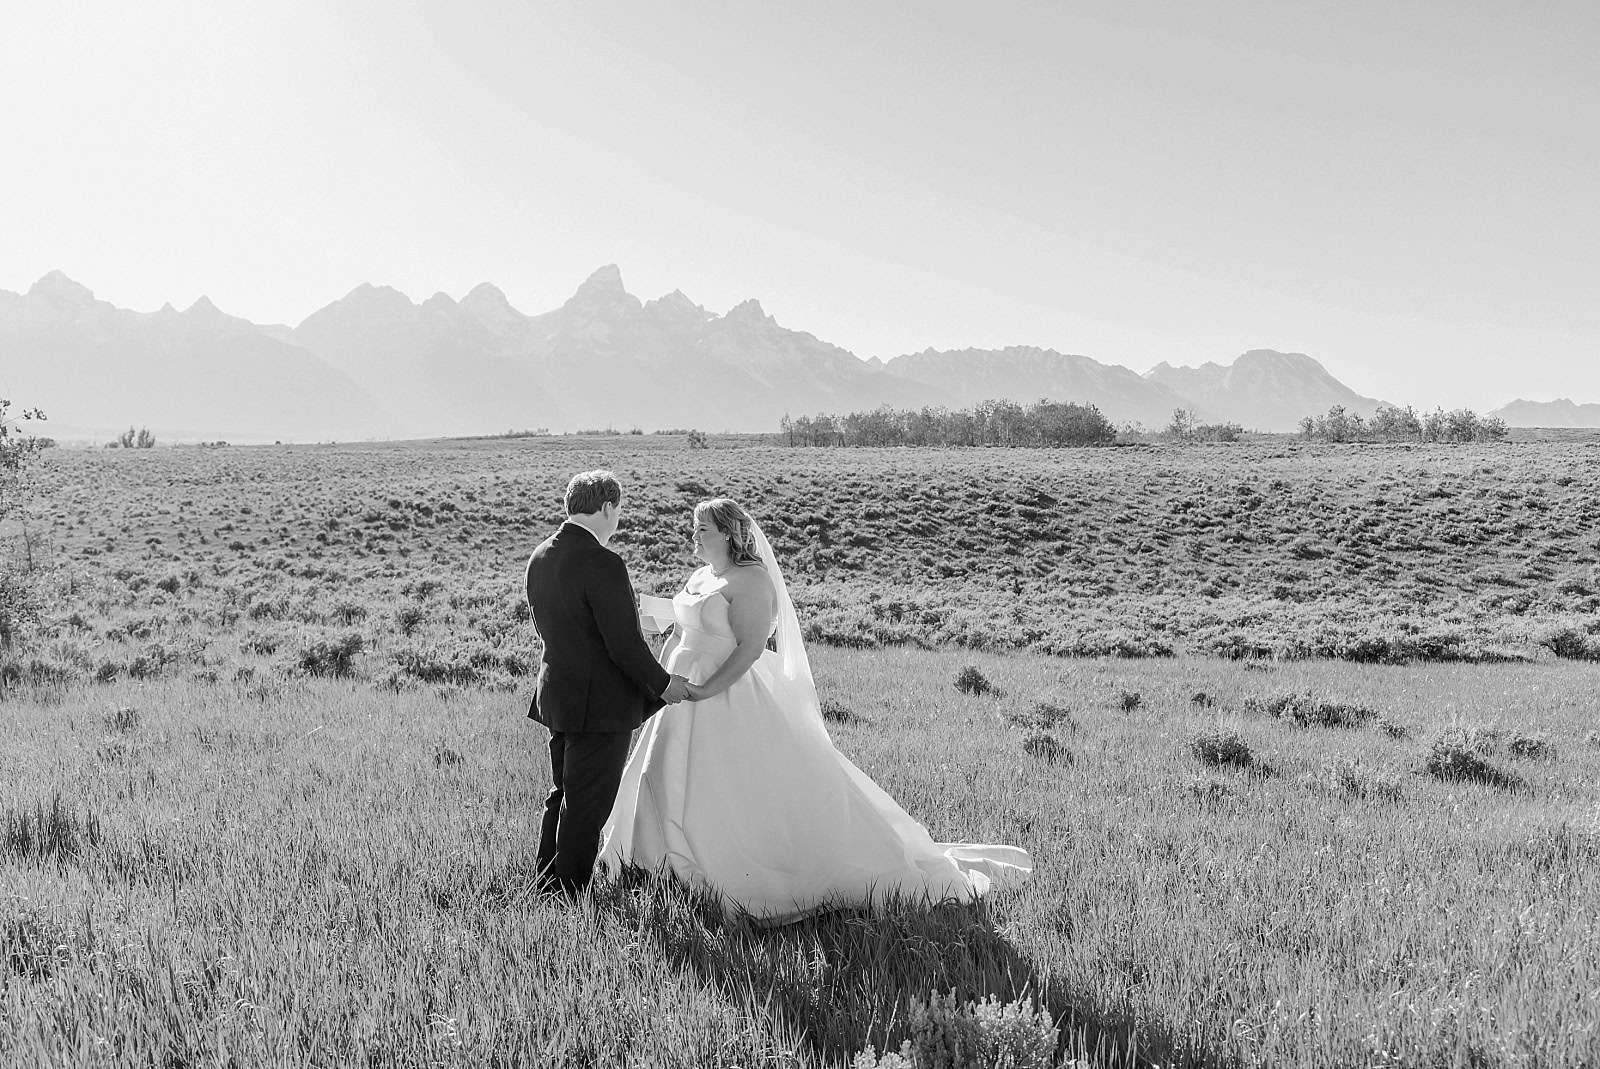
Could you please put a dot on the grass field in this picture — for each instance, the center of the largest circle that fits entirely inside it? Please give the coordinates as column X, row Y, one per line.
column 268, row 797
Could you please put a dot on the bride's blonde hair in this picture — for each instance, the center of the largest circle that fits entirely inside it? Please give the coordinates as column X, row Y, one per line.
column 735, row 522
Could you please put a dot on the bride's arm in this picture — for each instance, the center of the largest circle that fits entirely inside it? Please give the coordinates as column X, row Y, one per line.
column 752, row 607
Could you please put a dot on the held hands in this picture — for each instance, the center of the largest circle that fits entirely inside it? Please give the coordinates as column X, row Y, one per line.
column 676, row 691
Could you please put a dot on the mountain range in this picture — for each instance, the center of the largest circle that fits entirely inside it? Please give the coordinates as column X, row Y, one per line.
column 1558, row 413
column 376, row 364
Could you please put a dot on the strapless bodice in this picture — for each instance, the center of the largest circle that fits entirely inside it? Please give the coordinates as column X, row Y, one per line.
column 703, row 622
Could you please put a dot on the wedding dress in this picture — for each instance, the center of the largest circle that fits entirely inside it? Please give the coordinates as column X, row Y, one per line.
column 745, row 794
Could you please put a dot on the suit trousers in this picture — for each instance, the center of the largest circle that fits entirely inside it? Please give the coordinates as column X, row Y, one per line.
column 586, row 770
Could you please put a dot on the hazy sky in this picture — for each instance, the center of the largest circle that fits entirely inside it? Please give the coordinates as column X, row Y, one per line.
column 1406, row 191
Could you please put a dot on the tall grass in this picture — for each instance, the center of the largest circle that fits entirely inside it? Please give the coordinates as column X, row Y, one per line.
column 296, row 877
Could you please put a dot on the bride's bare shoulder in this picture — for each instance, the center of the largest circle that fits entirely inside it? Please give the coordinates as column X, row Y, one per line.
column 752, row 578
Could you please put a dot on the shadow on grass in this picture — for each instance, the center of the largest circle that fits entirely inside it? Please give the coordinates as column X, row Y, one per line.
column 844, row 980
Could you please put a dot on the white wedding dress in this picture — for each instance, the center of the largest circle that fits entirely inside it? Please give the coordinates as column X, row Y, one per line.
column 745, row 794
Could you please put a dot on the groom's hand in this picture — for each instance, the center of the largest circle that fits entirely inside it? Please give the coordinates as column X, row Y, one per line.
column 676, row 691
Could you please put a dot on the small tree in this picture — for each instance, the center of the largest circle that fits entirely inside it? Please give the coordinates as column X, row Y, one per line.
column 146, row 440
column 17, row 450
column 697, row 440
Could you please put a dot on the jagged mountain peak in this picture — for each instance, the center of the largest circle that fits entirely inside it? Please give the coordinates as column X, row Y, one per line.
column 748, row 311
column 202, row 306
column 675, row 299
column 56, row 286
column 602, row 297
column 676, row 307
column 367, row 294
column 605, row 279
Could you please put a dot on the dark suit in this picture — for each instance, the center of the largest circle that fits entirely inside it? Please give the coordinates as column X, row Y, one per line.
column 597, row 682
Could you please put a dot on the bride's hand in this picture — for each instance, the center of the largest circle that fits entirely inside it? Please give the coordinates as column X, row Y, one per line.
column 696, row 692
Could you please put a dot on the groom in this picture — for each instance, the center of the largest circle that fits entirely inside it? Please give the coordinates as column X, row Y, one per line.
column 597, row 682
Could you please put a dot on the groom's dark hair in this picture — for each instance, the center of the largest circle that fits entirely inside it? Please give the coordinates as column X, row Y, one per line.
column 590, row 490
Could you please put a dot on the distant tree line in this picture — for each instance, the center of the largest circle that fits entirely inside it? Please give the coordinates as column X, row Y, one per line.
column 989, row 423
column 1391, row 424
column 1186, row 427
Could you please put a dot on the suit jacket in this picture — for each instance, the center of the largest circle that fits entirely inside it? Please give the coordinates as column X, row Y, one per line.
column 597, row 672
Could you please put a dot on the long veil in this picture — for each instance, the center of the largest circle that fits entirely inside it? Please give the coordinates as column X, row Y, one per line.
column 800, row 702
column 979, row 864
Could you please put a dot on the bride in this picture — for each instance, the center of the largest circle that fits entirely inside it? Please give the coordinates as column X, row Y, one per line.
column 741, row 790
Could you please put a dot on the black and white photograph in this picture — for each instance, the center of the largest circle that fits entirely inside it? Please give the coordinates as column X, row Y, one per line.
column 692, row 535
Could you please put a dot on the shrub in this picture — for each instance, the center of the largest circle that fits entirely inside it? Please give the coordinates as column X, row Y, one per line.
column 1043, row 716
column 945, row 1033
column 1452, row 755
column 1532, row 747
column 1571, row 643
column 837, row 712
column 262, row 643
column 1047, row 748
column 348, row 612
column 1221, row 746
column 1306, row 710
column 407, row 618
column 326, row 656
column 1129, row 700
column 971, row 681
column 432, row 665
column 1392, row 728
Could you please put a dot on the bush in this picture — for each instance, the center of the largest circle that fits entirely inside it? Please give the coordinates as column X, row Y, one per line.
column 1453, row 755
column 837, row 712
column 1306, row 710
column 1392, row 728
column 407, row 618
column 1571, row 643
column 1221, row 746
column 330, row 656
column 348, row 612
column 1042, row 716
column 1047, row 748
column 950, row 1035
column 1532, row 747
column 971, row 681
